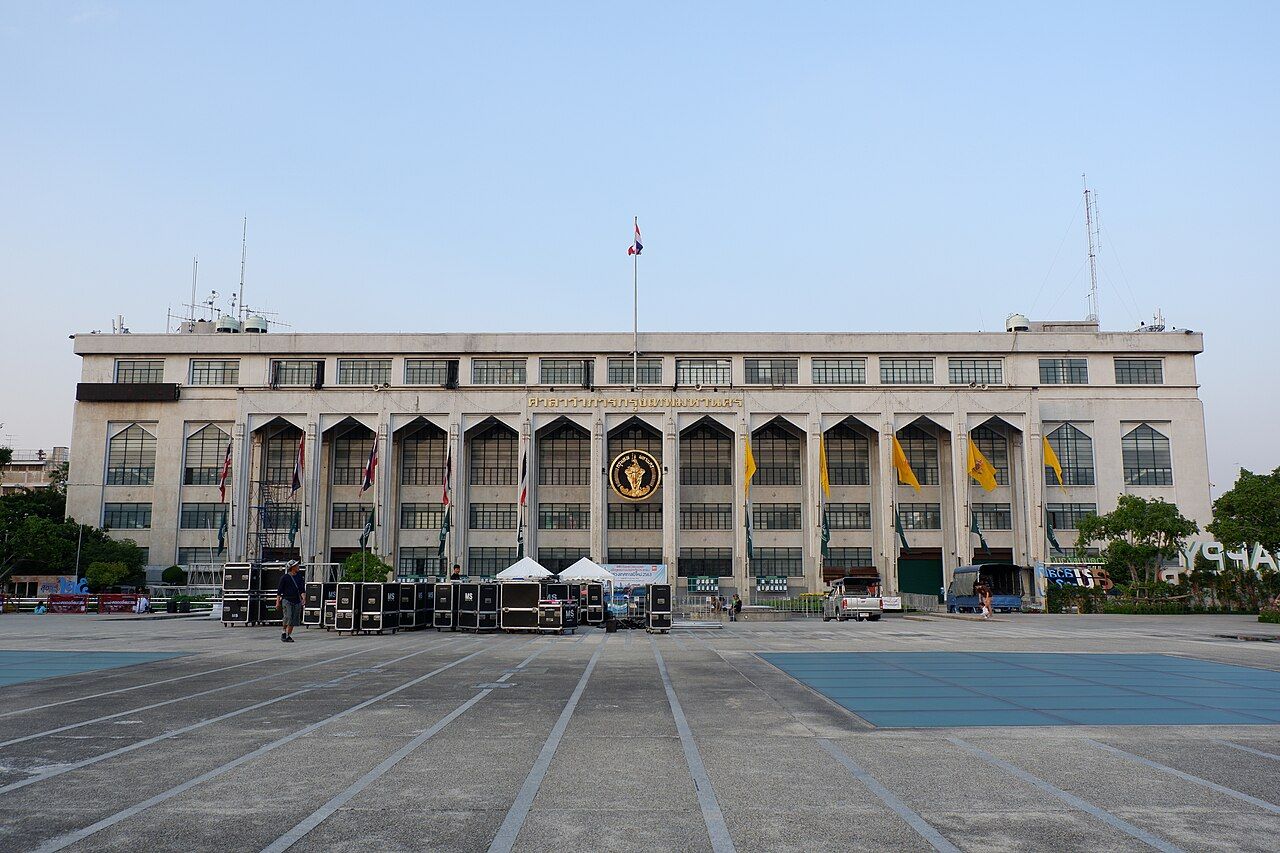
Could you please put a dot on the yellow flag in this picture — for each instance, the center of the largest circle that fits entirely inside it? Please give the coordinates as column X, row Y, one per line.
column 750, row 469
column 905, row 474
column 1051, row 460
column 979, row 468
column 822, row 464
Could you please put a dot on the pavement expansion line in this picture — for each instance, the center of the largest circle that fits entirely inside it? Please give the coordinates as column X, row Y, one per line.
column 922, row 827
column 1273, row 756
column 135, row 687
column 1187, row 777
column 505, row 839
column 67, row 768
column 1071, row 799
column 172, row 701
column 70, row 838
column 712, row 816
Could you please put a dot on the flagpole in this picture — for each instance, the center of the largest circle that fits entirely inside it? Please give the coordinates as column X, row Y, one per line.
column 635, row 315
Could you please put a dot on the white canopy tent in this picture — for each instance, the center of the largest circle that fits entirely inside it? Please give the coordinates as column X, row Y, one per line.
column 586, row 570
column 525, row 569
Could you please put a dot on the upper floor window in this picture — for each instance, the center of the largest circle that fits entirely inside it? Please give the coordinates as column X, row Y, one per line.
column 848, row 457
column 1148, row 460
column 423, row 455
column 775, row 516
column 201, row 516
column 1139, row 371
column 215, row 371
column 920, row 516
column 566, row 371
column 642, row 516
column 700, row 516
column 772, row 371
column 421, row 516
column 137, row 372
column 493, row 456
column 706, row 456
column 296, row 372
column 364, row 371
column 983, row 371
column 350, row 454
column 350, row 516
column 906, row 371
column 921, row 450
column 993, row 516
column 706, row 562
column 849, row 516
column 650, row 371
column 281, row 455
column 131, row 458
column 557, row 516
column 427, row 371
column 564, row 456
column 485, row 562
column 703, row 371
column 995, row 447
column 126, row 516
column 498, row 371
column 1074, row 450
column 1064, row 516
column 1064, row 371
column 206, row 452
column 766, row 562
column 839, row 371
column 848, row 558
column 777, row 454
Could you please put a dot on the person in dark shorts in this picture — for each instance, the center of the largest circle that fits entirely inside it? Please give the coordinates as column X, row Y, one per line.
column 289, row 600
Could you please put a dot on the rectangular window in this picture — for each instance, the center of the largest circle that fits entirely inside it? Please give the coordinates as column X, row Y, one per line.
column 703, row 371
column 920, row 516
column 201, row 516
column 1139, row 371
column 849, row 516
column 487, row 562
column 199, row 556
column 1067, row 516
column 566, row 371
column 839, row 371
column 498, row 371
column 424, row 516
column 906, row 371
column 706, row 516
column 350, row 516
column 426, row 371
column 775, row 516
column 492, row 517
column 636, row 556
column 126, row 516
column 993, row 516
column 559, row 559
column 706, row 562
column 772, row 371
column 650, row 371
column 848, row 558
column 215, row 372
column 421, row 562
column 984, row 371
column 646, row 516
column 1064, row 371
column 564, row 516
column 777, row 561
column 282, row 517
column 135, row 372
column 364, row 371
column 295, row 373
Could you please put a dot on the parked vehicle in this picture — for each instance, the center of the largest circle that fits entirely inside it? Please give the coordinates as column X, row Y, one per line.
column 1009, row 584
column 853, row 597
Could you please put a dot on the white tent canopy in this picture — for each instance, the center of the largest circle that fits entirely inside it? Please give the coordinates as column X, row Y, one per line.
column 586, row 570
column 526, row 568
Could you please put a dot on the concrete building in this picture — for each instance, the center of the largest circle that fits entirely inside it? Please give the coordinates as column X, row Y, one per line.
column 155, row 415
column 31, row 469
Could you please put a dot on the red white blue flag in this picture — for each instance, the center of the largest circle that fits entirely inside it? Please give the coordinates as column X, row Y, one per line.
column 636, row 246
column 298, row 464
column 370, row 467
column 225, row 475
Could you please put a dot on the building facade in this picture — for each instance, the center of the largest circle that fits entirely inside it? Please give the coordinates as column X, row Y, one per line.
column 32, row 469
column 156, row 415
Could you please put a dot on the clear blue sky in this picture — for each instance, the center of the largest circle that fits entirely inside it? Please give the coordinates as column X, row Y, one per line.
column 795, row 166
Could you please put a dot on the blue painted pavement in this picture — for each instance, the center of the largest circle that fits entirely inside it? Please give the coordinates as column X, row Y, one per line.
column 19, row 666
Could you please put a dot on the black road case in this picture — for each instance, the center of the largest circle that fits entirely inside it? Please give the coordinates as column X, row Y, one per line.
column 445, row 609
column 518, row 605
column 380, row 607
column 329, row 615
column 347, row 607
column 659, row 623
column 241, row 577
column 241, row 608
column 659, row 595
column 272, row 574
column 478, row 606
column 557, row 616
column 312, row 604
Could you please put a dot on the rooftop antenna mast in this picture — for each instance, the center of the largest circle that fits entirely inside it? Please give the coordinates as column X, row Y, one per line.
column 244, row 248
column 195, row 275
column 1095, row 241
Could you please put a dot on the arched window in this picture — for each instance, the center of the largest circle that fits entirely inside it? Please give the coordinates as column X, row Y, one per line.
column 493, row 456
column 921, row 450
column 350, row 455
column 564, row 456
column 706, row 456
column 777, row 453
column 1074, row 450
column 206, row 451
column 422, row 457
column 131, row 457
column 1147, row 458
column 995, row 447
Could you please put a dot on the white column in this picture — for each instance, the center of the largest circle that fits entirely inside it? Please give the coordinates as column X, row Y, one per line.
column 811, row 512
column 238, row 524
column 385, row 514
column 962, row 539
column 599, row 493
column 888, row 538
column 671, row 498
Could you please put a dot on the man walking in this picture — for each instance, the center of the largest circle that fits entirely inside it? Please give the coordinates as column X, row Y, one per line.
column 289, row 600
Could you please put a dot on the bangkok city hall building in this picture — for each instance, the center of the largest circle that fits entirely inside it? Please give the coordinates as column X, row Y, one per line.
column 156, row 414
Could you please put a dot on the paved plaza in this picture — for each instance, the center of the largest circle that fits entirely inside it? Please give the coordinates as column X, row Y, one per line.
column 692, row 741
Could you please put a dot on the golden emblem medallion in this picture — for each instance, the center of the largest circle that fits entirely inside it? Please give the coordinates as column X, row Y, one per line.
column 634, row 474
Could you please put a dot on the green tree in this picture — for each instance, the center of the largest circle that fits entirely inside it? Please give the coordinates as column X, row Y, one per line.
column 1140, row 535
column 1249, row 514
column 6, row 456
column 35, row 535
column 174, row 576
column 58, row 478
column 365, row 567
column 103, row 576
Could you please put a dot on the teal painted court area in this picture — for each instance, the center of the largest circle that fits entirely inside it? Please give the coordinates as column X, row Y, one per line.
column 939, row 689
column 17, row 667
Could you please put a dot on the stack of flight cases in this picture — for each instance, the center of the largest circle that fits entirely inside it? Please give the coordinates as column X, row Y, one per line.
column 320, row 598
column 557, row 611
column 445, row 613
column 659, row 597
column 518, row 605
column 379, row 607
column 249, row 594
column 346, row 613
column 590, row 598
column 477, row 606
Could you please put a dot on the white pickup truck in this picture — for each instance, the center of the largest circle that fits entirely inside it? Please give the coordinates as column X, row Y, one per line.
column 853, row 598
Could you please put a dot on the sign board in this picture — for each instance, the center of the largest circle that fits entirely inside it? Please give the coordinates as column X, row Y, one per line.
column 1089, row 577
column 67, row 603
column 636, row 574
column 703, row 583
column 117, row 602
column 891, row 602
column 1250, row 556
column 771, row 583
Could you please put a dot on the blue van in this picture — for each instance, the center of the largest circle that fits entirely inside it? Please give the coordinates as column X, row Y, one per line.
column 1008, row 583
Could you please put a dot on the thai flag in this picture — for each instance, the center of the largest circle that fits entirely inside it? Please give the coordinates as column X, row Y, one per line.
column 298, row 464
column 448, row 476
column 636, row 247
column 370, row 468
column 225, row 475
